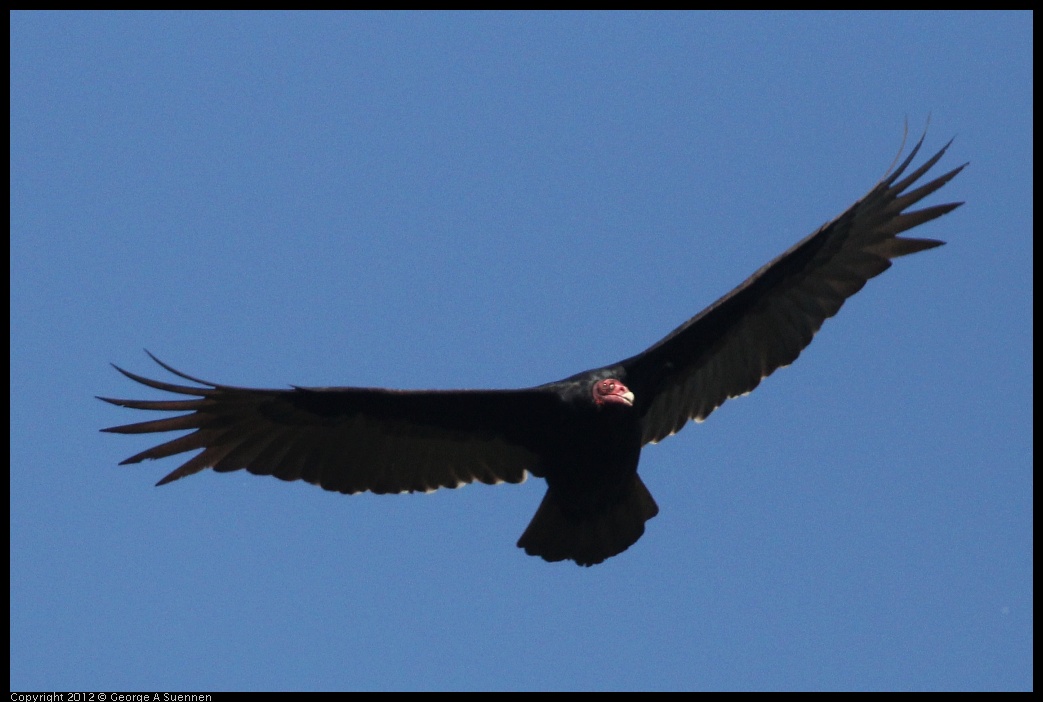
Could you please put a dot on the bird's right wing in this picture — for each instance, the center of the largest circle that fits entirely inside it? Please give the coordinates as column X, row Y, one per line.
column 350, row 439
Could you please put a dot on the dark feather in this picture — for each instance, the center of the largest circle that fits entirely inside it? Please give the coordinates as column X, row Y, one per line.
column 583, row 434
column 347, row 439
column 728, row 348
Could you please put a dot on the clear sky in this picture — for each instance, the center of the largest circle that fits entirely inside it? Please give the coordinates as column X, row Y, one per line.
column 501, row 200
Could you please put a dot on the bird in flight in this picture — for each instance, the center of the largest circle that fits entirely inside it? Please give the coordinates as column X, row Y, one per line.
column 583, row 434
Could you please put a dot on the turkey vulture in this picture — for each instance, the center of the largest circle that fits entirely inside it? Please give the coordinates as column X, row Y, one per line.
column 583, row 434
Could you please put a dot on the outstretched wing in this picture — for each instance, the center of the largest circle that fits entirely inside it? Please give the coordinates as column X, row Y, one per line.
column 350, row 439
column 764, row 324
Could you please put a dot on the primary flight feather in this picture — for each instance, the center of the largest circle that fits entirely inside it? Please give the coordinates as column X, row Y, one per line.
column 583, row 434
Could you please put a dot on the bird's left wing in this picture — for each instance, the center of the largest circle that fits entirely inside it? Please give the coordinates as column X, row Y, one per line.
column 727, row 349
column 350, row 439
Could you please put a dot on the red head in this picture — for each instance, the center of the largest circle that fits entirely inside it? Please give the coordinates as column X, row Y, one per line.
column 611, row 391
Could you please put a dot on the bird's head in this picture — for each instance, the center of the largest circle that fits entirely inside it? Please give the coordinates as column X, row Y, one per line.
column 611, row 391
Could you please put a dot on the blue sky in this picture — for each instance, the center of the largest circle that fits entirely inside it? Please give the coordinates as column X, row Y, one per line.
column 500, row 200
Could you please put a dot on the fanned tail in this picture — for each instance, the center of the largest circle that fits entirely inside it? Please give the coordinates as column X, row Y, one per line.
column 555, row 536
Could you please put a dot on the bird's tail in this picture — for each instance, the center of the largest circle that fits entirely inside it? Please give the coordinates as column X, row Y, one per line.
column 555, row 536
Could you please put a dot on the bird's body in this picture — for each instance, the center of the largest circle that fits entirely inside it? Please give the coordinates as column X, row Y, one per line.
column 583, row 434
